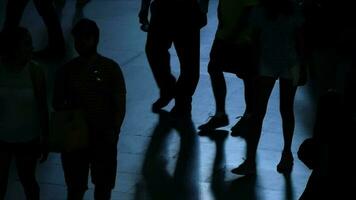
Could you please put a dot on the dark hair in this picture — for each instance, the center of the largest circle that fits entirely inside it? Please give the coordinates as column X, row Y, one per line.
column 86, row 28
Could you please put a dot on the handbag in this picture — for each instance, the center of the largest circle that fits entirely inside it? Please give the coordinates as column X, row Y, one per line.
column 68, row 131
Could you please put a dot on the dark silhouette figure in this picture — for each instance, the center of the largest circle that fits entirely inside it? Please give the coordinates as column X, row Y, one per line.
column 24, row 112
column 229, row 53
column 314, row 152
column 56, row 43
column 183, row 183
column 178, row 23
column 95, row 85
column 279, row 59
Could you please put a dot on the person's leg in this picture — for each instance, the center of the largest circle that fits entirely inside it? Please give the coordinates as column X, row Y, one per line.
column 264, row 86
column 76, row 171
column 26, row 162
column 240, row 128
column 248, row 94
column 14, row 11
column 5, row 161
column 217, row 77
column 287, row 94
column 157, row 46
column 103, row 170
column 187, row 45
column 56, row 42
column 218, row 84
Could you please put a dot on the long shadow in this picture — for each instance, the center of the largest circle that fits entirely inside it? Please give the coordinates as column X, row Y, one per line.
column 183, row 184
column 243, row 188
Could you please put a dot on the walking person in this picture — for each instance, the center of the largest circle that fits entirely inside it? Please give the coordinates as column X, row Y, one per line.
column 278, row 24
column 94, row 85
column 177, row 23
column 24, row 113
column 229, row 54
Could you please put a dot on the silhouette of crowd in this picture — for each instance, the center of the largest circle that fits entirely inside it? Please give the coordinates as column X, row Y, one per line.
column 262, row 42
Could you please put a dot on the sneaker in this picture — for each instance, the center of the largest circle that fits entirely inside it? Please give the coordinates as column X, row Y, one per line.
column 160, row 103
column 215, row 122
column 241, row 127
column 246, row 168
column 285, row 165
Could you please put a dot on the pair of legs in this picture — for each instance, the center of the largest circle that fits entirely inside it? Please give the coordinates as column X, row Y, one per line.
column 168, row 26
column 46, row 10
column 264, row 86
column 225, row 56
column 102, row 163
column 25, row 156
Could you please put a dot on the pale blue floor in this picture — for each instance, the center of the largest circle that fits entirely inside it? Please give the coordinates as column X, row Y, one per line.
column 122, row 40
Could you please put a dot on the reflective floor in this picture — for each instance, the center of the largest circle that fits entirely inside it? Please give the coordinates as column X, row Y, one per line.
column 162, row 158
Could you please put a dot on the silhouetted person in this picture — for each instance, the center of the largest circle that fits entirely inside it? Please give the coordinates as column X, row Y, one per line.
column 174, row 22
column 95, row 85
column 24, row 112
column 183, row 183
column 278, row 25
column 229, row 54
column 314, row 152
column 45, row 8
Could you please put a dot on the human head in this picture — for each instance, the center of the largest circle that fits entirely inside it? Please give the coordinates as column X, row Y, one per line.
column 86, row 37
column 17, row 46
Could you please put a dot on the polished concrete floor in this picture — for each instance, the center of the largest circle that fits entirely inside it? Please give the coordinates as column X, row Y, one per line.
column 160, row 158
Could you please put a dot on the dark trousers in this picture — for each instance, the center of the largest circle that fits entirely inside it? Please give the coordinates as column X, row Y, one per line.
column 101, row 160
column 46, row 10
column 25, row 156
column 174, row 24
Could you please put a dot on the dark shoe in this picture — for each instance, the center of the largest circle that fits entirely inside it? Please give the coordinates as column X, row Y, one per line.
column 246, row 168
column 241, row 127
column 160, row 103
column 215, row 122
column 285, row 165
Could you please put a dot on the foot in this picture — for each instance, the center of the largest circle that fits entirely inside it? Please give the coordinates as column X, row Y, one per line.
column 285, row 165
column 215, row 122
column 241, row 127
column 246, row 168
column 160, row 103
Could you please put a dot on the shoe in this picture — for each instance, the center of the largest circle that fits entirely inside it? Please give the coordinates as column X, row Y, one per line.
column 246, row 168
column 285, row 165
column 160, row 103
column 215, row 122
column 241, row 127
